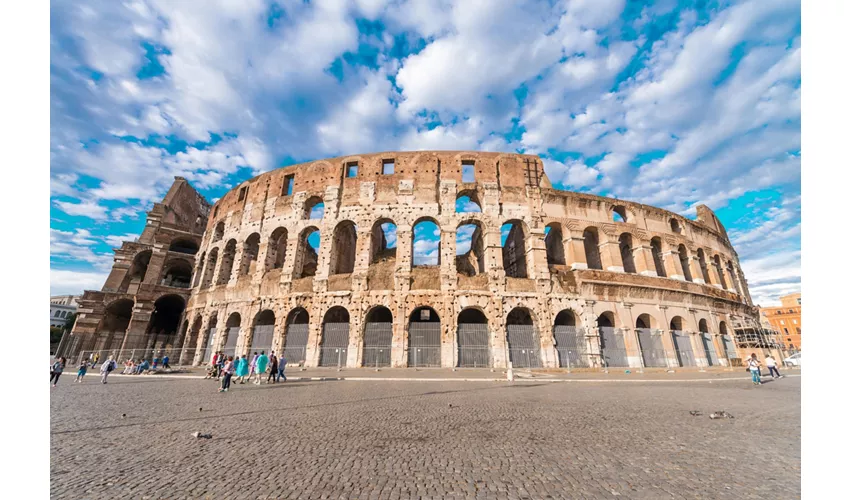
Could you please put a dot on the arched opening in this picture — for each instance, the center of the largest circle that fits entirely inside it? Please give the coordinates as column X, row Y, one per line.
column 707, row 343
column 734, row 277
column 513, row 250
column 211, row 329
column 523, row 341
column 165, row 320
column 685, row 261
column 644, row 321
column 469, row 249
column 426, row 243
column 231, row 334
column 675, row 226
column 612, row 344
column 193, row 336
column 218, row 232
column 177, row 273
column 626, row 253
column 182, row 245
column 343, row 248
column 649, row 340
column 199, row 274
column 383, row 243
column 423, row 338
column 209, row 270
column 263, row 334
column 554, row 239
column 296, row 334
column 113, row 326
column 703, row 266
column 378, row 338
column 473, row 339
column 591, row 248
column 276, row 253
column 570, row 341
column 619, row 214
column 682, row 342
column 227, row 257
column 314, row 208
column 728, row 343
column 655, row 246
column 307, row 255
column 137, row 272
column 335, row 328
column 467, row 202
column 719, row 269
column 250, row 251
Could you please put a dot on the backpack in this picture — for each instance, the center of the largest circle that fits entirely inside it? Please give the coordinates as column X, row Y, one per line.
column 111, row 366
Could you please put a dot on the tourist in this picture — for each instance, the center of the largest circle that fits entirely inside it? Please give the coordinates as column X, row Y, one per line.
column 253, row 366
column 106, row 369
column 155, row 362
column 165, row 365
column 281, row 365
column 128, row 367
column 262, row 364
column 272, row 368
column 228, row 371
column 143, row 366
column 241, row 368
column 220, row 364
column 81, row 371
column 56, row 370
column 771, row 365
column 94, row 359
column 754, row 366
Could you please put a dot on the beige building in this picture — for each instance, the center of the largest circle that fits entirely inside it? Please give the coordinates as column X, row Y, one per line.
column 579, row 280
column 787, row 320
column 62, row 307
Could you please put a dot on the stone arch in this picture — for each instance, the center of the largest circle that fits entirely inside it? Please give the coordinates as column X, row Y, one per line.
column 703, row 266
column 425, row 250
column 612, row 344
column 177, row 273
column 619, row 214
column 183, row 245
column 606, row 320
column 343, row 248
column 218, row 232
column 473, row 338
column 514, row 247
column 646, row 321
column 591, row 248
column 383, row 240
column 113, row 325
column 262, row 334
column 276, row 252
column 685, row 261
column 469, row 248
column 207, row 349
column 227, row 258
column 570, row 342
column 306, row 255
column 377, row 337
column 675, row 226
column 250, row 252
column 554, row 239
column 209, row 270
column 649, row 341
column 678, row 323
column 567, row 317
column 296, row 334
column 314, row 208
column 627, row 253
column 707, row 343
column 719, row 268
column 335, row 336
column 467, row 202
column 424, row 332
column 703, row 325
column 657, row 257
column 165, row 321
column 138, row 270
column 522, row 338
column 232, row 327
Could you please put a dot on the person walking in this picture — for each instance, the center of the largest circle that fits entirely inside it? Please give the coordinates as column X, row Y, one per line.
column 272, row 368
column 281, row 366
column 771, row 365
column 262, row 365
column 242, row 368
column 106, row 369
column 94, row 359
column 56, row 370
column 754, row 366
column 228, row 371
column 253, row 366
column 165, row 365
column 81, row 371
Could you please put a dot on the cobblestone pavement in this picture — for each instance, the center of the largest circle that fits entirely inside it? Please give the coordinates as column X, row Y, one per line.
column 393, row 440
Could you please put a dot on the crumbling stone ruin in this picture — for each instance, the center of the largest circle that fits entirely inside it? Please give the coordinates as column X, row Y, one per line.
column 317, row 260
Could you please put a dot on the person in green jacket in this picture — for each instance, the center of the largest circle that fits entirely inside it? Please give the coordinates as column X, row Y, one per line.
column 262, row 365
column 241, row 368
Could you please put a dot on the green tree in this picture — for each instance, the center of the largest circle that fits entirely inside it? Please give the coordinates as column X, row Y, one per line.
column 69, row 322
column 55, row 334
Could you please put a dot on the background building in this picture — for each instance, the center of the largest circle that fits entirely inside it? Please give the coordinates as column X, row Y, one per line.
column 787, row 319
column 61, row 308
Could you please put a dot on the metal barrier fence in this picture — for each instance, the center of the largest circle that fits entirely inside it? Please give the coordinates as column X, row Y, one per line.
column 377, row 344
column 708, row 346
column 523, row 346
column 612, row 344
column 571, row 345
column 295, row 344
column 424, row 344
column 684, row 348
column 473, row 345
column 334, row 347
column 651, row 348
column 729, row 345
column 262, row 338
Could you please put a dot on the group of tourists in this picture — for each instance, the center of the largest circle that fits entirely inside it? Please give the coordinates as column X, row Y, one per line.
column 224, row 368
column 58, row 367
column 754, row 367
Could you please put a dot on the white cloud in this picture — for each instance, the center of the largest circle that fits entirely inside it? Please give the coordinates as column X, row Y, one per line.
column 67, row 282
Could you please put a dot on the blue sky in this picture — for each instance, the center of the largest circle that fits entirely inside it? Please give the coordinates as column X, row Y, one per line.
column 667, row 103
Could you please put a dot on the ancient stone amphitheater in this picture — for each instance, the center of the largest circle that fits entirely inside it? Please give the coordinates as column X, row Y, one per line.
column 452, row 259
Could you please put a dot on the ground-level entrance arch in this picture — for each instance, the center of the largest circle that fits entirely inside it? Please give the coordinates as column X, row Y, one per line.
column 523, row 341
column 424, row 332
column 378, row 338
column 473, row 339
column 335, row 329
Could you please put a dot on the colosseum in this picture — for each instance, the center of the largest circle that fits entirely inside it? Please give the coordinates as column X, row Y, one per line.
column 421, row 259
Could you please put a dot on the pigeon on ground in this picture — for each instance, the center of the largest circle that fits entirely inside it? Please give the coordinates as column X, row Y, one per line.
column 695, row 413
column 720, row 414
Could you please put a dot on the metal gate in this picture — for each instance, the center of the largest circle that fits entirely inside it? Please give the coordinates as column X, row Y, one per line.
column 684, row 349
column 651, row 348
column 473, row 345
column 263, row 337
column 708, row 345
column 424, row 344
column 295, row 344
column 230, row 344
column 571, row 346
column 208, row 355
column 377, row 344
column 334, row 347
column 729, row 345
column 612, row 345
column 523, row 346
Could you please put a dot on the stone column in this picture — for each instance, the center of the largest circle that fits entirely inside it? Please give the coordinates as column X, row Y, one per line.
column 498, row 343
column 535, row 257
column 360, row 273
column 696, row 271
column 574, row 250
column 448, row 266
column 404, row 256
column 644, row 263
column 609, row 252
column 712, row 272
column 673, row 265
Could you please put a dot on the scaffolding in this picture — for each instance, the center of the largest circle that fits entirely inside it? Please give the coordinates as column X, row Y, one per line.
column 752, row 334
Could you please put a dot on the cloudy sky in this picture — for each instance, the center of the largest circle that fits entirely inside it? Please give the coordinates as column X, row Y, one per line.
column 667, row 103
